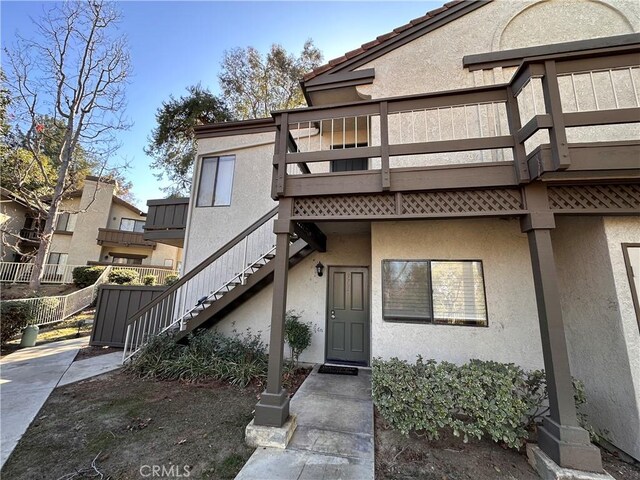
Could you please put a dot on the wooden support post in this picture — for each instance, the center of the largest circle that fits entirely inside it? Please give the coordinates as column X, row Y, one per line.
column 280, row 156
column 384, row 145
column 553, row 104
column 519, row 153
column 560, row 435
column 273, row 408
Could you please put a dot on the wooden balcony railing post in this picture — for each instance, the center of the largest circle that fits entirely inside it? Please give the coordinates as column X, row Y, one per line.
column 553, row 104
column 384, row 145
column 519, row 153
column 280, row 156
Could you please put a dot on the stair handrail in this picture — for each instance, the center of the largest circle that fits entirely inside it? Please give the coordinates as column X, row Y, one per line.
column 204, row 264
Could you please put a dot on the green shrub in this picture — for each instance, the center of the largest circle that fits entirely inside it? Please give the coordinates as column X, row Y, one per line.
column 123, row 276
column 85, row 276
column 478, row 399
column 238, row 359
column 171, row 279
column 297, row 334
column 15, row 316
column 149, row 280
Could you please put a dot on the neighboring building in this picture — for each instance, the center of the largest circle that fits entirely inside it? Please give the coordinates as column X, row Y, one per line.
column 467, row 185
column 19, row 222
column 94, row 226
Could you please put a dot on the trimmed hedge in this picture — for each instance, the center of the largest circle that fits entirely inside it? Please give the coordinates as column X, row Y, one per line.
column 15, row 317
column 149, row 280
column 477, row 399
column 86, row 276
column 171, row 279
column 123, row 276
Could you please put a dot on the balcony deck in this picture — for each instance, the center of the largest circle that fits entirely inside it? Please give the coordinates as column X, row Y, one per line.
column 118, row 238
column 566, row 119
column 166, row 221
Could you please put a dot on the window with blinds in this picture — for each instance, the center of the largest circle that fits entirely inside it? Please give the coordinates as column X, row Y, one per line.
column 216, row 181
column 449, row 292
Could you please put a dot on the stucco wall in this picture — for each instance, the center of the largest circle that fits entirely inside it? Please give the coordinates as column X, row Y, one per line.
column 433, row 62
column 211, row 227
column 94, row 215
column 118, row 212
column 12, row 217
column 600, row 325
column 307, row 293
column 513, row 334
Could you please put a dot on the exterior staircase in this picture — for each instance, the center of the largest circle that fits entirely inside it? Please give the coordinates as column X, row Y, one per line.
column 220, row 283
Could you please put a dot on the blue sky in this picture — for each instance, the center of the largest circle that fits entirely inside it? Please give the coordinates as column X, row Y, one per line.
column 176, row 44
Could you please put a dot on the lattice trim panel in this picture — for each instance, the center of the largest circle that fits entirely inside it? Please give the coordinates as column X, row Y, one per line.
column 595, row 197
column 345, row 205
column 460, row 202
column 452, row 203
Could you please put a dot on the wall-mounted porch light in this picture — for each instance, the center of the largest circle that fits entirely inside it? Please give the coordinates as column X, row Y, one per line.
column 319, row 269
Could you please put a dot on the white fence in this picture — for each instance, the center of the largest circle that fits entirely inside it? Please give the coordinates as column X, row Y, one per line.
column 45, row 310
column 12, row 272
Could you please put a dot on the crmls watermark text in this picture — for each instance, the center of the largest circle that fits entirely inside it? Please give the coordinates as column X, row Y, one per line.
column 164, row 471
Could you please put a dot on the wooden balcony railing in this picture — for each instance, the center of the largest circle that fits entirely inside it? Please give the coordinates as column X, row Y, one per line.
column 167, row 220
column 108, row 236
column 499, row 135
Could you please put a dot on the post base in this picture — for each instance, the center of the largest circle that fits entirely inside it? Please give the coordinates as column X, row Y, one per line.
column 273, row 409
column 549, row 470
column 276, row 437
column 569, row 447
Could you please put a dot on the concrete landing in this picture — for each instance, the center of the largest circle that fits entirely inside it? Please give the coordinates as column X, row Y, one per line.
column 90, row 367
column 334, row 437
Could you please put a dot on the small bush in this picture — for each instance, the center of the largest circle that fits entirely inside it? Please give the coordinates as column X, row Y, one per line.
column 149, row 280
column 123, row 276
column 478, row 399
column 15, row 316
column 238, row 359
column 171, row 279
column 297, row 334
column 85, row 276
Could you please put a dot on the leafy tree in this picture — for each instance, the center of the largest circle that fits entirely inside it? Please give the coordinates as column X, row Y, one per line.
column 74, row 72
column 255, row 85
column 172, row 143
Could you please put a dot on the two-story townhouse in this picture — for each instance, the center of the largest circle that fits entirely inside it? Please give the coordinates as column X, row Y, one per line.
column 465, row 186
column 96, row 227
column 19, row 222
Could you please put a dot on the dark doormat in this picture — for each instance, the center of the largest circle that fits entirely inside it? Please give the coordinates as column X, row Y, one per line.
column 335, row 370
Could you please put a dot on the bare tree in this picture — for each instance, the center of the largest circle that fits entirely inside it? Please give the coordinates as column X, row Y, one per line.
column 74, row 72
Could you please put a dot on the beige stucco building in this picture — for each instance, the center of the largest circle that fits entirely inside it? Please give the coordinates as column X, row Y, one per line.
column 95, row 226
column 469, row 185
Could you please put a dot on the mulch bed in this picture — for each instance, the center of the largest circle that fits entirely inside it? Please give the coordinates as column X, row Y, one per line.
column 89, row 352
column 448, row 458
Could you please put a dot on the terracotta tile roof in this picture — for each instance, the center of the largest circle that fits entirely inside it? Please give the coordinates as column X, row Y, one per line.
column 381, row 39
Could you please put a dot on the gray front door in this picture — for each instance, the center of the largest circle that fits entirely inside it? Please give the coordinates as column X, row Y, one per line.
column 348, row 315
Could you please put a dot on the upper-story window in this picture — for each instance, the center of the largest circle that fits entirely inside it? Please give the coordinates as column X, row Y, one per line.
column 216, row 180
column 132, row 225
column 66, row 222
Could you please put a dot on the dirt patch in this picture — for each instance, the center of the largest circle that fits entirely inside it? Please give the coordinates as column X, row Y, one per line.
column 21, row 290
column 89, row 352
column 129, row 423
column 414, row 457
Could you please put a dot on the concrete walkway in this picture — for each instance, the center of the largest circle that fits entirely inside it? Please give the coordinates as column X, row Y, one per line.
column 334, row 437
column 28, row 376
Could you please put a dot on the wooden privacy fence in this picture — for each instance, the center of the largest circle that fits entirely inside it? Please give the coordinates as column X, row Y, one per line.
column 115, row 304
column 46, row 310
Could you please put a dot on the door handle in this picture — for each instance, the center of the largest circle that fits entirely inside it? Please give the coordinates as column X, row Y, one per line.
column 333, row 314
